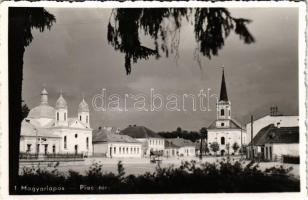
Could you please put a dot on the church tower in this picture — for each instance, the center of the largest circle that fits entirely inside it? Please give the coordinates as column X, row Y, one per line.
column 223, row 106
column 84, row 113
column 61, row 112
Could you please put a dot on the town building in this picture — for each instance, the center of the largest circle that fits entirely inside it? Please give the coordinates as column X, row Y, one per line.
column 109, row 144
column 272, row 118
column 151, row 141
column 49, row 130
column 225, row 130
column 274, row 142
column 179, row 147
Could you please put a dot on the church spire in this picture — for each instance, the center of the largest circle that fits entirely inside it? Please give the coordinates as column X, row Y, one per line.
column 223, row 89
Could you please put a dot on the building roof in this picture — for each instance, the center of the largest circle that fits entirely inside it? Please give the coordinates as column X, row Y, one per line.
column 223, row 89
column 278, row 135
column 28, row 129
column 42, row 111
column 103, row 135
column 179, row 142
column 83, row 106
column 139, row 132
column 233, row 125
column 61, row 103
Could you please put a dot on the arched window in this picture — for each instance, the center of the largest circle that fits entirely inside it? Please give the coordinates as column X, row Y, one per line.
column 87, row 142
column 222, row 112
column 80, row 117
column 222, row 140
column 119, row 150
column 114, row 150
column 87, row 119
column 64, row 116
column 57, row 116
column 65, row 142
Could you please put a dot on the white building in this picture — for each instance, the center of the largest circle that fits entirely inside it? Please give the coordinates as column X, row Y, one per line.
column 225, row 130
column 179, row 147
column 273, row 142
column 283, row 121
column 151, row 141
column 106, row 143
column 49, row 130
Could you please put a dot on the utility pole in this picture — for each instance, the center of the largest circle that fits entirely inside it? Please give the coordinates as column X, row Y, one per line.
column 251, row 144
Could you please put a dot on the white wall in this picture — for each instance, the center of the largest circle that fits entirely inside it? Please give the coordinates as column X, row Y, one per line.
column 187, row 151
column 82, row 134
column 285, row 121
column 231, row 136
column 124, row 150
column 281, row 149
column 33, row 141
column 155, row 144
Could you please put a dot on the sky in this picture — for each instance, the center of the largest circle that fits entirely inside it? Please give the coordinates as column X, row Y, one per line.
column 75, row 56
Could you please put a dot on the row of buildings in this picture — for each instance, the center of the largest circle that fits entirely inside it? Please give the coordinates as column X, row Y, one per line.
column 49, row 130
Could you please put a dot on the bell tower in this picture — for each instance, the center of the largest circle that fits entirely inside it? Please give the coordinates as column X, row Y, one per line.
column 223, row 106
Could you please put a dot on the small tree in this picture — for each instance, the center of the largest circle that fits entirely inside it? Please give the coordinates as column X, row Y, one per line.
column 215, row 147
column 235, row 147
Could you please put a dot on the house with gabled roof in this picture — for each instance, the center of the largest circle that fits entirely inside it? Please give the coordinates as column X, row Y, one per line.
column 273, row 142
column 109, row 144
column 151, row 141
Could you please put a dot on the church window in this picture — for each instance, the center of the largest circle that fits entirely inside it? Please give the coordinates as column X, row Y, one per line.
column 76, row 135
column 64, row 116
column 222, row 112
column 28, row 147
column 87, row 142
column 222, row 140
column 53, row 148
column 57, row 116
column 65, row 142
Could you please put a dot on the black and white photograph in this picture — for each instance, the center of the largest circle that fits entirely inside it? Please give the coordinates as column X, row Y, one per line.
column 155, row 100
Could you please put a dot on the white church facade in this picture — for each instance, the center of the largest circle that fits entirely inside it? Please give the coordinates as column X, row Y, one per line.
column 225, row 130
column 49, row 130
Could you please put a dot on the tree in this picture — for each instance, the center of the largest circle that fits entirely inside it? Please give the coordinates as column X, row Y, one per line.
column 203, row 135
column 25, row 110
column 235, row 147
column 211, row 27
column 21, row 23
column 214, row 147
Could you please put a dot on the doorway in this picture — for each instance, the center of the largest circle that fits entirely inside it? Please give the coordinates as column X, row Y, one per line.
column 76, row 149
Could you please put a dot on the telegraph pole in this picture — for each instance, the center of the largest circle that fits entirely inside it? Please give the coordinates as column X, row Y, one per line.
column 251, row 137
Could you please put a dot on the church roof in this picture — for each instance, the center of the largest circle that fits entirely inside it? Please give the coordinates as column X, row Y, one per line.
column 103, row 135
column 42, row 111
column 233, row 125
column 272, row 134
column 139, row 132
column 28, row 129
column 83, row 106
column 61, row 103
column 223, row 89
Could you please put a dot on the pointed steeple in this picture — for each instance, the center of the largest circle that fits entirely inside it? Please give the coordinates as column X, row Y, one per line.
column 223, row 89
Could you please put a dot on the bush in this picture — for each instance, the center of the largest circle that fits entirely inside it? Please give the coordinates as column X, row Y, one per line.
column 190, row 177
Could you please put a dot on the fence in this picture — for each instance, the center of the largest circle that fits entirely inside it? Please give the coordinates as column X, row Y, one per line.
column 29, row 156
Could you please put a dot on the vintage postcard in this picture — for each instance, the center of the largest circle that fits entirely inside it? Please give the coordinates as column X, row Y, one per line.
column 173, row 100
